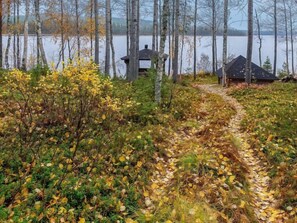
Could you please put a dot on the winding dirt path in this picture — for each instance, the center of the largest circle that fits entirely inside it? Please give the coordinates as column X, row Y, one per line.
column 265, row 205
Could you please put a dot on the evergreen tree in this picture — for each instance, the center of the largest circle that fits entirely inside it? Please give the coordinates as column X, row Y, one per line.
column 267, row 65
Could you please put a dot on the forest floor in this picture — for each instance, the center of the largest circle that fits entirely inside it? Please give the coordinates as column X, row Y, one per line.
column 265, row 205
column 113, row 155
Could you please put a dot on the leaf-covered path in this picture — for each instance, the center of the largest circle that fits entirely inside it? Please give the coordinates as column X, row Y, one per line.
column 265, row 205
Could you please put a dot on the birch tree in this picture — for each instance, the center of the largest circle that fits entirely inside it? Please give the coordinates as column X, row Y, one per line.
column 160, row 69
column 107, row 37
column 9, row 34
column 134, row 41
column 26, row 33
column 195, row 39
column 275, row 36
column 62, row 33
column 286, row 36
column 77, row 28
column 248, row 75
column 225, row 42
column 259, row 37
column 96, row 32
column 155, row 25
column 1, row 33
column 41, row 58
column 176, row 42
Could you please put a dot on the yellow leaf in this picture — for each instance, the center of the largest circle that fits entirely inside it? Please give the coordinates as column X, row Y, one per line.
column 81, row 220
column 64, row 200
column 103, row 117
column 231, row 179
column 201, row 194
column 122, row 158
column 242, row 204
column 168, row 221
column 139, row 164
column 129, row 220
column 270, row 138
column 154, row 186
column 61, row 166
column 145, row 193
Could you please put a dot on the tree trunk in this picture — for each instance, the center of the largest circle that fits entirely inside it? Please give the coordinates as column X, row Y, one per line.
column 259, row 37
column 292, row 40
column 1, row 33
column 287, row 37
column 107, row 37
column 9, row 35
column 26, row 32
column 275, row 37
column 155, row 26
column 195, row 40
column 62, row 33
column 77, row 28
column 214, row 38
column 128, row 25
column 183, row 37
column 225, row 43
column 91, row 33
column 169, row 41
column 160, row 70
column 114, row 68
column 248, row 76
column 96, row 32
column 40, row 49
column 134, row 40
column 18, row 36
column 176, row 43
column 14, row 35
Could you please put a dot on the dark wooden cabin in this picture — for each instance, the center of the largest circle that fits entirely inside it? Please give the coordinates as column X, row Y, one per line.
column 236, row 72
column 146, row 55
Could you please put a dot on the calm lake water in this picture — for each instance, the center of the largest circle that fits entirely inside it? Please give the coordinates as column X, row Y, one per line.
column 236, row 46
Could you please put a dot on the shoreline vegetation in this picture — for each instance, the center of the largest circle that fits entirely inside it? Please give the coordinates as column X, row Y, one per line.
column 87, row 148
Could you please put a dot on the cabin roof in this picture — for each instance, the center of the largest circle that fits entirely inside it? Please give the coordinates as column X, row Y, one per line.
column 146, row 54
column 236, row 70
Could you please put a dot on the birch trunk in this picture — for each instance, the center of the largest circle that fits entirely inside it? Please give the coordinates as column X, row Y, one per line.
column 214, row 38
column 292, row 41
column 259, row 37
column 62, row 33
column 9, row 35
column 225, row 43
column 134, row 40
column 77, row 29
column 96, row 32
column 18, row 36
column 183, row 37
column 195, row 40
column 275, row 37
column 14, row 35
column 107, row 37
column 160, row 70
column 112, row 48
column 128, row 22
column 248, row 76
column 91, row 33
column 26, row 32
column 176, row 43
column 287, row 37
column 1, row 33
column 40, row 48
column 155, row 26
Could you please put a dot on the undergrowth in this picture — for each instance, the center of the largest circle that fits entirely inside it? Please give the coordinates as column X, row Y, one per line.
column 272, row 122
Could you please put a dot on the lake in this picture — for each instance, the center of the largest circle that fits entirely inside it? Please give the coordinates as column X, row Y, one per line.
column 236, row 46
